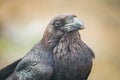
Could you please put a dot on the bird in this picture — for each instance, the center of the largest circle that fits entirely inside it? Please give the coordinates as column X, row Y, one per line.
column 60, row 55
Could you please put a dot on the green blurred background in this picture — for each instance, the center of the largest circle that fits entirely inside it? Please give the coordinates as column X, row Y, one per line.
column 22, row 23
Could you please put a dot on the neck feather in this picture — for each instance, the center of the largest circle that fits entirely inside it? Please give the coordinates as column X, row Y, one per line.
column 71, row 44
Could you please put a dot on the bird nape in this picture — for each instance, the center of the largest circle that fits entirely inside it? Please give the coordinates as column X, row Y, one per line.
column 60, row 55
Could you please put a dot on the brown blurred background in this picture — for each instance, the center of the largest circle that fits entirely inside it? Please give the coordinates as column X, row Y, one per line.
column 22, row 23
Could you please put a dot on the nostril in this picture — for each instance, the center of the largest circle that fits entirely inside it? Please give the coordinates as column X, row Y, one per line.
column 69, row 20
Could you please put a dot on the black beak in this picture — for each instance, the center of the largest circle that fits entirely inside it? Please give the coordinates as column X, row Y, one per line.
column 75, row 25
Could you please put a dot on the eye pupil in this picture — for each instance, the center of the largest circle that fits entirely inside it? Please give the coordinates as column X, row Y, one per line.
column 57, row 23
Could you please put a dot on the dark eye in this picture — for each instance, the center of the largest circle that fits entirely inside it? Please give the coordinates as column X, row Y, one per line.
column 57, row 23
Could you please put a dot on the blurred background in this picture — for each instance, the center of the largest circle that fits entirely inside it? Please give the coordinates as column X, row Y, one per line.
column 22, row 23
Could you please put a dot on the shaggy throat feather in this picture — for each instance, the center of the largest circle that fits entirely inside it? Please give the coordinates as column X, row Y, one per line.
column 68, row 44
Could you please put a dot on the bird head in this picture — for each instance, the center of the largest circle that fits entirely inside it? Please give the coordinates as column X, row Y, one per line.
column 66, row 23
column 61, row 25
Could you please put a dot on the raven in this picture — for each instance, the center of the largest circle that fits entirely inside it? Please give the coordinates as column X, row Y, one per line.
column 60, row 55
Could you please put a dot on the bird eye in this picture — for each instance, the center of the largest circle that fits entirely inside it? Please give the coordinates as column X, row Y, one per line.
column 57, row 23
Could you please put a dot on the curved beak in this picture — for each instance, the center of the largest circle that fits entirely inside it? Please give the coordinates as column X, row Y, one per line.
column 78, row 23
column 75, row 25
